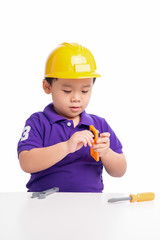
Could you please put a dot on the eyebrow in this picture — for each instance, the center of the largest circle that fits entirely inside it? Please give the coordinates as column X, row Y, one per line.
column 67, row 85
column 87, row 85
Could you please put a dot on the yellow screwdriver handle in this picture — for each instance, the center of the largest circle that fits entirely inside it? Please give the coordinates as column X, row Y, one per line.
column 140, row 197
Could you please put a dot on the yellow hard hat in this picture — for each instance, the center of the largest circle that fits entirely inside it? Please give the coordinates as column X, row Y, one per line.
column 71, row 60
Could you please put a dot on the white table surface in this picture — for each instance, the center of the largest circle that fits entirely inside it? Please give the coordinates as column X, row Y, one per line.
column 78, row 216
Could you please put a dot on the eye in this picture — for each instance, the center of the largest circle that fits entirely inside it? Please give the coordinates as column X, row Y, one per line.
column 66, row 91
column 85, row 91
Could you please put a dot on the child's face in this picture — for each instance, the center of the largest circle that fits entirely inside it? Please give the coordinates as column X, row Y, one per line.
column 71, row 96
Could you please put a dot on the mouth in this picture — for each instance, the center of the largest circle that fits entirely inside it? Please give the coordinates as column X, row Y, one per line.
column 75, row 109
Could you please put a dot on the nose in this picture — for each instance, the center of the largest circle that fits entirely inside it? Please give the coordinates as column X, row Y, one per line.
column 75, row 97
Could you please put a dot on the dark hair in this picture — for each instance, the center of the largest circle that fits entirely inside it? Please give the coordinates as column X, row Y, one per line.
column 51, row 80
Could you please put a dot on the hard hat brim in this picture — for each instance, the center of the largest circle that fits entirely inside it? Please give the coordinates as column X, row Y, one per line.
column 74, row 75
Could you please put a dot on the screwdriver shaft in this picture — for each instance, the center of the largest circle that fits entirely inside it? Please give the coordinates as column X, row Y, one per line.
column 112, row 200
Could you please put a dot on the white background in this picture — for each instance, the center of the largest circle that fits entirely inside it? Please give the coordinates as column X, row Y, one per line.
column 124, row 37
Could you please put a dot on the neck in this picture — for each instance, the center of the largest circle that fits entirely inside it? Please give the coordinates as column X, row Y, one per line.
column 76, row 120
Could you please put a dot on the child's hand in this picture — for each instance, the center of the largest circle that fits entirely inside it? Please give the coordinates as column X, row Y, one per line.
column 80, row 139
column 103, row 144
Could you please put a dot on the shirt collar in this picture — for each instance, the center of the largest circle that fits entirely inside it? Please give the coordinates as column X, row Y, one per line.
column 53, row 117
column 86, row 119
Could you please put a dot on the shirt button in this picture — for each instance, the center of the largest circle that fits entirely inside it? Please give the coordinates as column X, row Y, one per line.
column 69, row 124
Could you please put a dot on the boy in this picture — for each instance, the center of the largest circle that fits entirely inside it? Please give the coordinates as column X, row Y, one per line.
column 55, row 144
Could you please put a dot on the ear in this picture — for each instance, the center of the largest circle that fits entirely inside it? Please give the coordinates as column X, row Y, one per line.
column 46, row 87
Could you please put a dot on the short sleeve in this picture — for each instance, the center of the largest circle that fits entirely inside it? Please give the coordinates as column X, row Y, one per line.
column 32, row 135
column 115, row 143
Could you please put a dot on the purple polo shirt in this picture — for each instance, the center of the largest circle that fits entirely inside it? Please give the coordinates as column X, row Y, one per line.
column 78, row 171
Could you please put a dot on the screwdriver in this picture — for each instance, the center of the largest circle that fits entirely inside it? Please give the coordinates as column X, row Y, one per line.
column 140, row 197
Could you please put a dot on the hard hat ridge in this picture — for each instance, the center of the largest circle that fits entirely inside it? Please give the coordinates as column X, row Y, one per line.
column 71, row 60
column 74, row 46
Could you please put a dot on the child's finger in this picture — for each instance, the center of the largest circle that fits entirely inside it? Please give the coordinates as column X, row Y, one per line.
column 87, row 138
column 87, row 133
column 100, row 145
column 105, row 134
column 103, row 140
column 84, row 141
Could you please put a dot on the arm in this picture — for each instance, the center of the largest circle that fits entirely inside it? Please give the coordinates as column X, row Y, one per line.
column 114, row 163
column 38, row 159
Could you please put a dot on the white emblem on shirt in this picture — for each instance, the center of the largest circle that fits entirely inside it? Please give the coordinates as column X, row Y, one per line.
column 25, row 133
